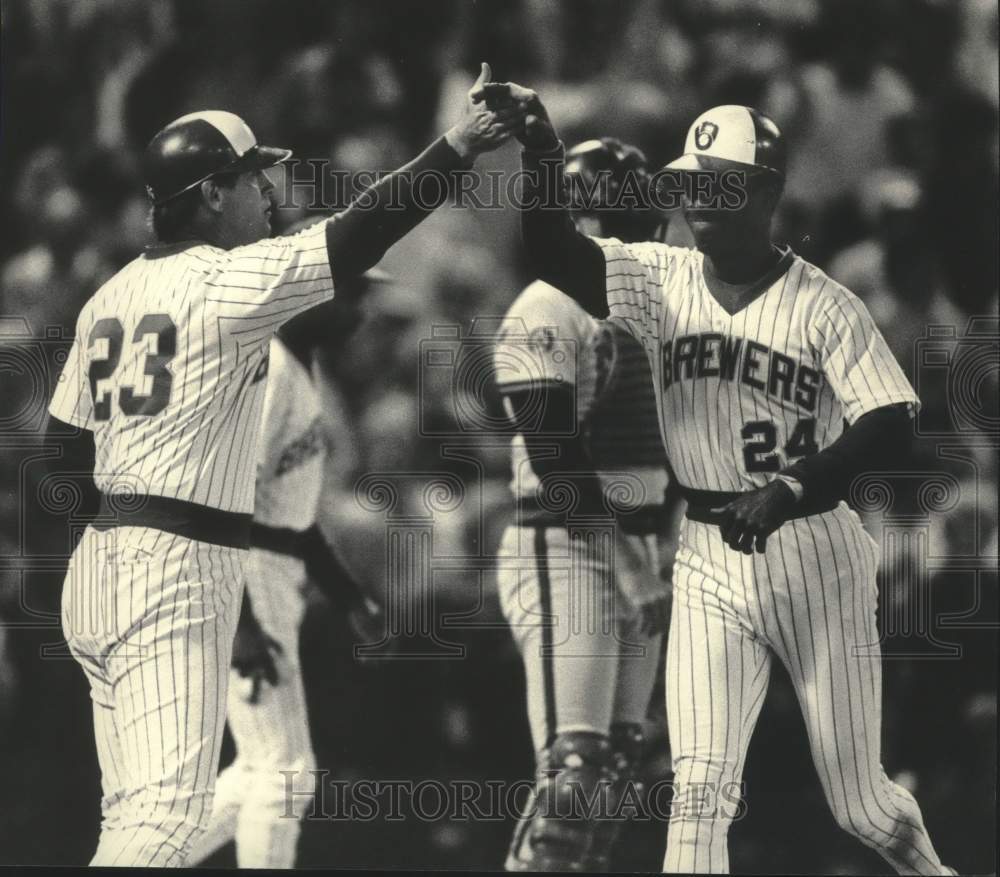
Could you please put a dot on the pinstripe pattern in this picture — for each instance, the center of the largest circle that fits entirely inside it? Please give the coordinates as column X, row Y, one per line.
column 809, row 600
column 805, row 348
column 226, row 305
column 176, row 346
column 151, row 617
column 739, row 396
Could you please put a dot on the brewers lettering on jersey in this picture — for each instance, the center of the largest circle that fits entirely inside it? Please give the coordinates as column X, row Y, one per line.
column 166, row 377
column 758, row 360
column 740, row 396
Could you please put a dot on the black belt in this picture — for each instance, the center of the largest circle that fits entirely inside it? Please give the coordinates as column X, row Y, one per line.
column 701, row 502
column 644, row 520
column 180, row 517
column 280, row 540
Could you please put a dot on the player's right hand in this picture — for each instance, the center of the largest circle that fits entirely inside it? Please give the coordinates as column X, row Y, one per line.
column 254, row 653
column 748, row 520
column 483, row 127
column 538, row 132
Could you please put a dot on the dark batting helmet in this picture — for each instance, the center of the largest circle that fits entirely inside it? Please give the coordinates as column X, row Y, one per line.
column 608, row 183
column 198, row 146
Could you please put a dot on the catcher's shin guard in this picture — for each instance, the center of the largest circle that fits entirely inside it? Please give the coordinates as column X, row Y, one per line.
column 628, row 747
column 562, row 827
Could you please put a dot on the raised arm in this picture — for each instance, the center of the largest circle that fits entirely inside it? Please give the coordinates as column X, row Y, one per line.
column 386, row 211
column 557, row 252
column 265, row 284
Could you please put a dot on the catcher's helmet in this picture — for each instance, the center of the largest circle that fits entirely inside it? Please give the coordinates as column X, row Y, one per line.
column 732, row 136
column 200, row 145
column 609, row 180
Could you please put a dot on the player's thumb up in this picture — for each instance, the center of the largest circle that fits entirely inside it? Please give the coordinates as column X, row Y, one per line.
column 477, row 92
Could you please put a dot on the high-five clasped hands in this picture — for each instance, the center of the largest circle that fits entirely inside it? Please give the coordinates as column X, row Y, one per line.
column 490, row 116
column 535, row 130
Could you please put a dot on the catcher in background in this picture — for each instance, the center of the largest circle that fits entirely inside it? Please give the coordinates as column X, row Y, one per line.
column 590, row 614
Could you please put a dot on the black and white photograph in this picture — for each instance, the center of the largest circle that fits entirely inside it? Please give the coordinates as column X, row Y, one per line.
column 500, row 435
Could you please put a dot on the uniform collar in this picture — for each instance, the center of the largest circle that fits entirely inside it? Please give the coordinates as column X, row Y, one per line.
column 156, row 251
column 748, row 292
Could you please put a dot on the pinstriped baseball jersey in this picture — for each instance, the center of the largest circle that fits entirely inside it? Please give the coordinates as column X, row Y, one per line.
column 169, row 363
column 741, row 395
column 290, row 456
column 548, row 338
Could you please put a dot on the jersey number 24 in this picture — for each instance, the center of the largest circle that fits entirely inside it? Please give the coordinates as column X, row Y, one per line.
column 131, row 403
column 761, row 439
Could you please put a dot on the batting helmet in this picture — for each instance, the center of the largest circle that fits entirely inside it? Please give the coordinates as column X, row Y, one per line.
column 732, row 136
column 200, row 145
column 609, row 181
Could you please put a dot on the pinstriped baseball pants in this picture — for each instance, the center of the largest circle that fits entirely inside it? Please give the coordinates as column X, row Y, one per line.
column 150, row 617
column 809, row 601
column 262, row 795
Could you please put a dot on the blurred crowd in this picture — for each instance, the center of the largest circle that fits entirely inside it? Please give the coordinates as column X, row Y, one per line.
column 891, row 112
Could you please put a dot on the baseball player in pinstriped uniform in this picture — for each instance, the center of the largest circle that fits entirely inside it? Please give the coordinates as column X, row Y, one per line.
column 589, row 617
column 758, row 361
column 269, row 723
column 164, row 382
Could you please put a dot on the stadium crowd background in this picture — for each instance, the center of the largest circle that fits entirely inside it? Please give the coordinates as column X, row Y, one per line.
column 890, row 107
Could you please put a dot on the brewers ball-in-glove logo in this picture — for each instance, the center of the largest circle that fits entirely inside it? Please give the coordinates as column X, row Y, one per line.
column 705, row 135
column 543, row 338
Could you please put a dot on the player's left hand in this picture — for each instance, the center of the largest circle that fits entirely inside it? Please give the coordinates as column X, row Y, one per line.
column 254, row 654
column 748, row 520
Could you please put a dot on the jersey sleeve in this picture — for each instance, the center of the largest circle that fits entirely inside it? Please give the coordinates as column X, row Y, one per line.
column 540, row 340
column 856, row 360
column 636, row 275
column 264, row 284
column 71, row 401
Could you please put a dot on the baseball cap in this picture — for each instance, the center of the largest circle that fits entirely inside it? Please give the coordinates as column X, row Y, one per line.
column 199, row 145
column 732, row 136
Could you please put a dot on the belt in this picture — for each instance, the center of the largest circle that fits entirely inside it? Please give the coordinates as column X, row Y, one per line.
column 190, row 520
column 280, row 540
column 644, row 520
column 701, row 502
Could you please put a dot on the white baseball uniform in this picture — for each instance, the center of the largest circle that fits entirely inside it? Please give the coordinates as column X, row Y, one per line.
column 573, row 603
column 739, row 396
column 261, row 796
column 168, row 370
